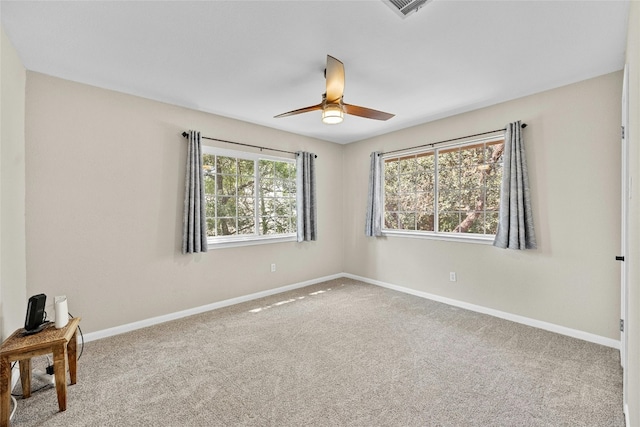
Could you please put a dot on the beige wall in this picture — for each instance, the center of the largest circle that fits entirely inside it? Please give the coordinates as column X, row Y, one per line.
column 104, row 201
column 633, row 316
column 12, row 190
column 105, row 188
column 573, row 153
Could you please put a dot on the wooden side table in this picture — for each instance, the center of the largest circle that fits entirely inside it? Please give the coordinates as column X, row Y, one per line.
column 19, row 347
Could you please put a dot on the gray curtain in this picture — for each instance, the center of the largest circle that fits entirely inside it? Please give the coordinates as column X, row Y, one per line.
column 306, row 196
column 515, row 223
column 194, row 226
column 373, row 225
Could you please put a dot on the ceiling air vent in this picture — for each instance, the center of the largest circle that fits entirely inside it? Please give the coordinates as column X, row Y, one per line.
column 404, row 8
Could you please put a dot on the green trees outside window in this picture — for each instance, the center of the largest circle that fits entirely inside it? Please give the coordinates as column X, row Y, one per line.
column 450, row 190
column 249, row 196
column 277, row 197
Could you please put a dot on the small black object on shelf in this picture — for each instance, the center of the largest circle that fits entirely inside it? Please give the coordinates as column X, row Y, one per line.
column 34, row 320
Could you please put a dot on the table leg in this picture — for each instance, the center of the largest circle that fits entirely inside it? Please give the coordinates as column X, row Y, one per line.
column 5, row 391
column 71, row 353
column 25, row 377
column 60, row 372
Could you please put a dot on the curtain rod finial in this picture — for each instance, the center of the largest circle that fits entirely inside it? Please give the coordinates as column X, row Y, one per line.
column 524, row 125
column 184, row 134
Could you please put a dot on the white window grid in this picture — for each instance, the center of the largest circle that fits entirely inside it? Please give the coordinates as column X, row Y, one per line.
column 490, row 140
column 255, row 236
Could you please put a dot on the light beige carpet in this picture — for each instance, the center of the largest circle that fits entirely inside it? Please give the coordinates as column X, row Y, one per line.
column 341, row 353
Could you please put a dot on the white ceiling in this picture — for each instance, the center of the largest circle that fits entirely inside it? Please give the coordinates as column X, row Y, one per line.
column 252, row 60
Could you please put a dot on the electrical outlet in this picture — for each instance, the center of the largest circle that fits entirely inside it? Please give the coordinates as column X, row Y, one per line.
column 452, row 276
column 273, row 268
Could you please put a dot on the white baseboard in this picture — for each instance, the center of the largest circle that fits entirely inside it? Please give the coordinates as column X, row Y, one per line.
column 204, row 308
column 15, row 377
column 585, row 336
column 626, row 415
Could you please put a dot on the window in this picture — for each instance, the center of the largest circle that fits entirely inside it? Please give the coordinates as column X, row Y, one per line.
column 448, row 191
column 249, row 197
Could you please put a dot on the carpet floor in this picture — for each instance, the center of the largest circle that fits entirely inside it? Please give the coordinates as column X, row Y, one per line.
column 339, row 353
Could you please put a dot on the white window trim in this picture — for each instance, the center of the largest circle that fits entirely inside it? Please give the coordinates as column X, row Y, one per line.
column 236, row 241
column 220, row 242
column 485, row 239
column 206, row 149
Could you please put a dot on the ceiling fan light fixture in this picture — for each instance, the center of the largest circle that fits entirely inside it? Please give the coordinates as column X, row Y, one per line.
column 333, row 109
column 332, row 114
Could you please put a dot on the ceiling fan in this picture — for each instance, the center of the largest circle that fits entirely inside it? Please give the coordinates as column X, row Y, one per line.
column 333, row 109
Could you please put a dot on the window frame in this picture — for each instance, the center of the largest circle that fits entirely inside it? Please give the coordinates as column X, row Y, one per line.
column 486, row 239
column 219, row 242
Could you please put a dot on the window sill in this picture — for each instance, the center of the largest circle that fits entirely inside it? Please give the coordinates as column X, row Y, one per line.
column 249, row 241
column 467, row 238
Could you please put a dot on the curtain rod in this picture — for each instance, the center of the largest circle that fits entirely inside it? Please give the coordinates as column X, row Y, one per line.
column 185, row 134
column 524, row 125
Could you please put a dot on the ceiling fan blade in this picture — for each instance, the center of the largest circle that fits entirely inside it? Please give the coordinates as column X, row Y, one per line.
column 335, row 80
column 368, row 113
column 299, row 111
